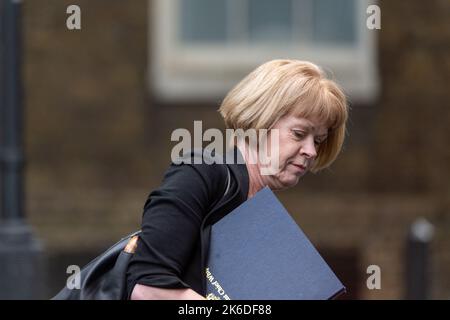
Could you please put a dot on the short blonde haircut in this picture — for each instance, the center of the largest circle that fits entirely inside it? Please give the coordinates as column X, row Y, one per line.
column 281, row 87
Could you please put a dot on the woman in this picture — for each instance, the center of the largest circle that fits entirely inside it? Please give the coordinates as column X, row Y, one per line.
column 290, row 97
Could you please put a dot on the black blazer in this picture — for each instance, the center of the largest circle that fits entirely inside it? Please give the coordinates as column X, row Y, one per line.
column 173, row 248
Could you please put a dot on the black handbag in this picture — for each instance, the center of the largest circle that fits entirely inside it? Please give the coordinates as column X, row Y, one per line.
column 104, row 278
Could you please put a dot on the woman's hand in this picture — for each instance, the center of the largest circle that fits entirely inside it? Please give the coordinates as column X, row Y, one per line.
column 143, row 292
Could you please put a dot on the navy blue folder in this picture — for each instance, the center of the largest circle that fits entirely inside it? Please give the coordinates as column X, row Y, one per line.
column 258, row 252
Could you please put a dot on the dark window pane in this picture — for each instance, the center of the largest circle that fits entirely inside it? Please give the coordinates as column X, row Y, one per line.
column 203, row 20
column 334, row 21
column 270, row 20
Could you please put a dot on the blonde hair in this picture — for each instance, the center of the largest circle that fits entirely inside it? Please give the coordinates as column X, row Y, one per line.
column 280, row 87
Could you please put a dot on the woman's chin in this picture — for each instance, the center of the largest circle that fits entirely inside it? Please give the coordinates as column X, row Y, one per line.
column 289, row 182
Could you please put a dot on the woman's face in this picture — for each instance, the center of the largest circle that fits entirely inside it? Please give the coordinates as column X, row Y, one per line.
column 299, row 140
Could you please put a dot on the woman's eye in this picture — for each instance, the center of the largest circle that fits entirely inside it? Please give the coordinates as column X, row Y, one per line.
column 299, row 134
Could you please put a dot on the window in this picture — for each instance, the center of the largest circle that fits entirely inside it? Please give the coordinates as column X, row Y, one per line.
column 201, row 48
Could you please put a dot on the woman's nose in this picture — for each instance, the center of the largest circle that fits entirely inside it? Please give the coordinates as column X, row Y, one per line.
column 308, row 149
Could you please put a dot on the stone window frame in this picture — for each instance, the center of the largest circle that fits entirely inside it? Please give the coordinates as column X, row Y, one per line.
column 181, row 73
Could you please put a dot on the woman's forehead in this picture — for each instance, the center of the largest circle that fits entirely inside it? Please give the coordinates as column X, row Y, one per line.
column 313, row 124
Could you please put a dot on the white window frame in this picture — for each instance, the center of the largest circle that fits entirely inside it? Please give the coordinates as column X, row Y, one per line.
column 180, row 73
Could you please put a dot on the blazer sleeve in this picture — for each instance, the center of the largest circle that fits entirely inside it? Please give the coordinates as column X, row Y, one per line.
column 171, row 222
